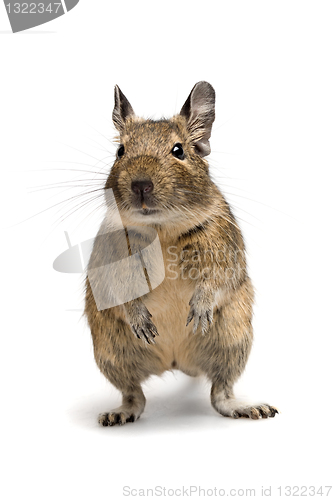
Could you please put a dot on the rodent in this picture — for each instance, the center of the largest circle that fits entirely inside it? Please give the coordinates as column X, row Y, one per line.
column 198, row 320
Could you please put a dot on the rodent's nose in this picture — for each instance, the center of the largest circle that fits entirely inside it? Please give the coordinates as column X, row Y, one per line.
column 142, row 187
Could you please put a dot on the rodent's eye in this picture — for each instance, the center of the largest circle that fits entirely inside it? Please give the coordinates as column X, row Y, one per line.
column 121, row 151
column 178, row 151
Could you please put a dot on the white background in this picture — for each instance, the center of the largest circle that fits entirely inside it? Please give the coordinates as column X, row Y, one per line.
column 271, row 66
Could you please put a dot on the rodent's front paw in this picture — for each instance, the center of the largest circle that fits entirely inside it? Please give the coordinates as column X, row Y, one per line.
column 144, row 329
column 201, row 311
column 141, row 324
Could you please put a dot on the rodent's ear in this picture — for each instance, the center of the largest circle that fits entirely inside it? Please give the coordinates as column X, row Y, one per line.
column 199, row 111
column 122, row 109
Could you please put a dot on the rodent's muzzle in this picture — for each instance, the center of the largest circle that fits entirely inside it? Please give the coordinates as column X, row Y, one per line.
column 142, row 188
column 142, row 191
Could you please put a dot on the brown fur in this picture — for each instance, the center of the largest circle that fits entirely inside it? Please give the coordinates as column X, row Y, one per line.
column 195, row 320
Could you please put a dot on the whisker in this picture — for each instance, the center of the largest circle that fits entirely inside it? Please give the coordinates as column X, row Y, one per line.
column 72, row 210
column 224, row 123
column 72, row 186
column 68, row 201
column 50, row 208
column 66, row 169
column 78, row 208
column 100, row 133
column 99, row 160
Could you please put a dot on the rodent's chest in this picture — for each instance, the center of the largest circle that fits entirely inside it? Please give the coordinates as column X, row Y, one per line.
column 169, row 307
column 171, row 298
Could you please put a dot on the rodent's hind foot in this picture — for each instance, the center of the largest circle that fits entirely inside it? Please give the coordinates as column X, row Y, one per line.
column 119, row 416
column 227, row 405
column 233, row 408
column 255, row 412
column 131, row 409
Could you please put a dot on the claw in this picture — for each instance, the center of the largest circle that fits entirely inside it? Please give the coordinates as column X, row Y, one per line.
column 201, row 312
column 147, row 338
column 204, row 325
column 150, row 340
column 274, row 411
column 153, row 329
column 147, row 332
column 190, row 317
column 140, row 322
column 195, row 323
column 205, row 320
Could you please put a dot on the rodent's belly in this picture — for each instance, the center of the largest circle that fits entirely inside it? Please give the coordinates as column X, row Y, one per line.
column 169, row 307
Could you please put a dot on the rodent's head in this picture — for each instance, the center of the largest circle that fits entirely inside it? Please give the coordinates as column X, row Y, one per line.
column 160, row 175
